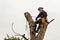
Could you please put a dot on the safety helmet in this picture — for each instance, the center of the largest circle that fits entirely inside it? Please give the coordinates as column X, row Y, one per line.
column 40, row 8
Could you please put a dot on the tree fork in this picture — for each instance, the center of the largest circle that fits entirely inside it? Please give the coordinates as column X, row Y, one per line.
column 42, row 31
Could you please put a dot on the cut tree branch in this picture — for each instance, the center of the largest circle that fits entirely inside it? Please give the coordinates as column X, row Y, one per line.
column 17, row 34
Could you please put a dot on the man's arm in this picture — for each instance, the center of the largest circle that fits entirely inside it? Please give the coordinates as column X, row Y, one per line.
column 38, row 16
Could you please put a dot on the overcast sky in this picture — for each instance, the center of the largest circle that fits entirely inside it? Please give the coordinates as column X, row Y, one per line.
column 13, row 11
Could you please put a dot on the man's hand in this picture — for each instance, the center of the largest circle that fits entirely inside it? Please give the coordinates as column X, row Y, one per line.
column 36, row 19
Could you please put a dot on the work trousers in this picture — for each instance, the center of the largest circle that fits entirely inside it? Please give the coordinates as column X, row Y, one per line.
column 39, row 22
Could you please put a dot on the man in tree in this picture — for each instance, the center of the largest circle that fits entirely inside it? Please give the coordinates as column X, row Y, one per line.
column 40, row 19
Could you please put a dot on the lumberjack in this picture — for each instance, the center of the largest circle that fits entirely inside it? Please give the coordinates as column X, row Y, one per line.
column 42, row 19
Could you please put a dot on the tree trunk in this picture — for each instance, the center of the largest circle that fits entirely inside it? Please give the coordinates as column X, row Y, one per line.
column 42, row 31
column 31, row 25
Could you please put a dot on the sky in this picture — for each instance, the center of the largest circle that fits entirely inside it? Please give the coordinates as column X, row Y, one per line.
column 12, row 11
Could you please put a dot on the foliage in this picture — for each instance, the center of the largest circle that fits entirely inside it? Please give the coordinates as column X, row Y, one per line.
column 12, row 38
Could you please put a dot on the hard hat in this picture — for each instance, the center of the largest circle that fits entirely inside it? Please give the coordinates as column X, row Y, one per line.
column 40, row 8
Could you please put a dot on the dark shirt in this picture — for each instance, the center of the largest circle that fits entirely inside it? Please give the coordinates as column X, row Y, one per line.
column 42, row 14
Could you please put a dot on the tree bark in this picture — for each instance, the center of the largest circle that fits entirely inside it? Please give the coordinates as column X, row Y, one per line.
column 42, row 31
column 31, row 25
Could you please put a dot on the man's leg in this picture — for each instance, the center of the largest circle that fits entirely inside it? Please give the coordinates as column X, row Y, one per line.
column 39, row 26
column 36, row 25
column 37, row 22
